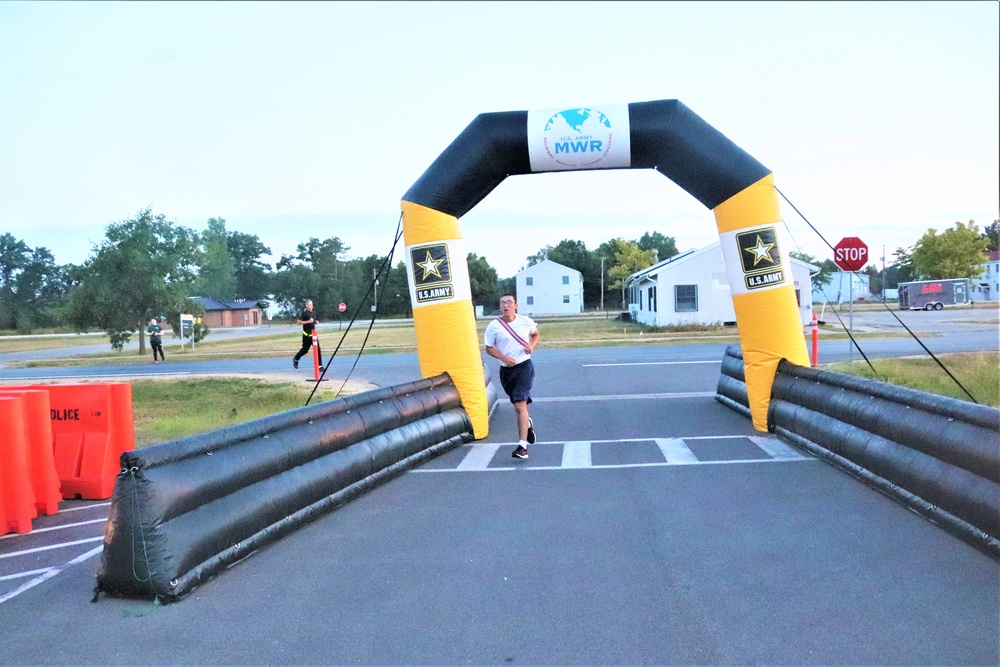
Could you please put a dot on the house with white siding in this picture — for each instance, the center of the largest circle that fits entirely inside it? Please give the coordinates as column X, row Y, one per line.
column 693, row 288
column 549, row 288
column 986, row 287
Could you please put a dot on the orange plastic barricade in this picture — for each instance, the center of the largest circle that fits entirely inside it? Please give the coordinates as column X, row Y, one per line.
column 17, row 500
column 92, row 426
column 41, row 462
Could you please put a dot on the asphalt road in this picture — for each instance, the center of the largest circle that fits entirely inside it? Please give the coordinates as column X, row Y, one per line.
column 651, row 525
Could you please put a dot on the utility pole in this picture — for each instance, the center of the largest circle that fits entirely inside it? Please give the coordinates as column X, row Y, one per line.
column 883, row 273
column 374, row 290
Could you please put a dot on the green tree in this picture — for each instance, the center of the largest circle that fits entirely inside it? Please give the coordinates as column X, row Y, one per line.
column 628, row 258
column 394, row 293
column 143, row 268
column 956, row 253
column 31, row 285
column 483, row 281
column 540, row 256
column 900, row 270
column 318, row 271
column 665, row 246
column 992, row 235
column 217, row 270
column 253, row 279
column 507, row 286
column 14, row 255
column 875, row 285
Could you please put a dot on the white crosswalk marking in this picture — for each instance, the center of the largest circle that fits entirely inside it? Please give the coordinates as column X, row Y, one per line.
column 776, row 449
column 479, row 457
column 576, row 455
column 675, row 451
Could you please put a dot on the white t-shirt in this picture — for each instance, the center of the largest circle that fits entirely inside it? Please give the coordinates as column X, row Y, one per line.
column 497, row 336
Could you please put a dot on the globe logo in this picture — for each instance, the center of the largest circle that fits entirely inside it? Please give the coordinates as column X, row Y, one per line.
column 577, row 138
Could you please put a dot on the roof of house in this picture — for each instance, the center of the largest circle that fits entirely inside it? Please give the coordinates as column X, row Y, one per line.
column 208, row 303
column 548, row 261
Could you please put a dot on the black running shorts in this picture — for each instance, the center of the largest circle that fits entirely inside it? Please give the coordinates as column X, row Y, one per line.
column 517, row 380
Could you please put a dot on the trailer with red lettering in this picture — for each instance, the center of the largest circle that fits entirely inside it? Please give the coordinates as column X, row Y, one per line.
column 933, row 294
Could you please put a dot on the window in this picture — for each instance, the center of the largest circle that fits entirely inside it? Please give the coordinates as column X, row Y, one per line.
column 652, row 298
column 565, row 280
column 685, row 298
column 531, row 299
column 529, row 281
column 565, row 298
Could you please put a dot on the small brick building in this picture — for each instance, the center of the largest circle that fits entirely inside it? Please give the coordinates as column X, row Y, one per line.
column 224, row 314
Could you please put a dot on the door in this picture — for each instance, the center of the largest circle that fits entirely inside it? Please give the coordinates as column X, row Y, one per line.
column 960, row 293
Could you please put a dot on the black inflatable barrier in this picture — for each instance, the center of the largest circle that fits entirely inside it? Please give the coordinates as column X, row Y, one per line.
column 731, row 390
column 937, row 455
column 184, row 510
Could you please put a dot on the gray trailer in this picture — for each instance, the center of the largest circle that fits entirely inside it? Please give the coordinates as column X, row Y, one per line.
column 933, row 294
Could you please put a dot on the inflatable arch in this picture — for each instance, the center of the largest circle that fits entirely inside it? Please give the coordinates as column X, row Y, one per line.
column 663, row 135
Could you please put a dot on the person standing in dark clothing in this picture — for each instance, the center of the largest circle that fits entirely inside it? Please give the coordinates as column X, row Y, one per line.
column 307, row 318
column 155, row 330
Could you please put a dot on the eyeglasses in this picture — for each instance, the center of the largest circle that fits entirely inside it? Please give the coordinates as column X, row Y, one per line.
column 506, row 302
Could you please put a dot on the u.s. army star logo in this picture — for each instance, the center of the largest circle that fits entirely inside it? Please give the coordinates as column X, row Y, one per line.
column 760, row 256
column 430, row 264
column 431, row 272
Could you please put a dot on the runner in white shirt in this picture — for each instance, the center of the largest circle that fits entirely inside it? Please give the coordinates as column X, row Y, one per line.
column 511, row 339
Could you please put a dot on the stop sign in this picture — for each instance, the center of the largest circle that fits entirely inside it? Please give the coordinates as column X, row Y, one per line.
column 342, row 307
column 851, row 254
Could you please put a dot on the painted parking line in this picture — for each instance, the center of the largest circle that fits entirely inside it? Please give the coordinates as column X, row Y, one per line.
column 64, row 526
column 50, row 547
column 577, row 455
column 51, row 572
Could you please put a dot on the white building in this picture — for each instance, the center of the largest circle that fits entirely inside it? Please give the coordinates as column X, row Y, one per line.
column 693, row 288
column 838, row 290
column 987, row 286
column 548, row 288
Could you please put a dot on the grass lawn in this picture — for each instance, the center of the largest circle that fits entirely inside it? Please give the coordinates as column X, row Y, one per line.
column 169, row 409
column 979, row 373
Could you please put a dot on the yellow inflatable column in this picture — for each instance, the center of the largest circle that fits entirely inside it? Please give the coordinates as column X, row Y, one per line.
column 445, row 322
column 760, row 279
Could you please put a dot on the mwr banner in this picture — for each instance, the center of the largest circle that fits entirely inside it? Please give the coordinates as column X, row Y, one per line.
column 439, row 272
column 756, row 259
column 579, row 138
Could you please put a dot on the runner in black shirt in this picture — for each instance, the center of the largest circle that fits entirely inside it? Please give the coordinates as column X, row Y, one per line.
column 308, row 321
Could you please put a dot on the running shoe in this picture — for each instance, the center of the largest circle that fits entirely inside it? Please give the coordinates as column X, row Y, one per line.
column 521, row 452
column 531, row 431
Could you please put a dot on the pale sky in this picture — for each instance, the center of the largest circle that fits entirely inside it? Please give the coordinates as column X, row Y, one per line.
column 292, row 120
